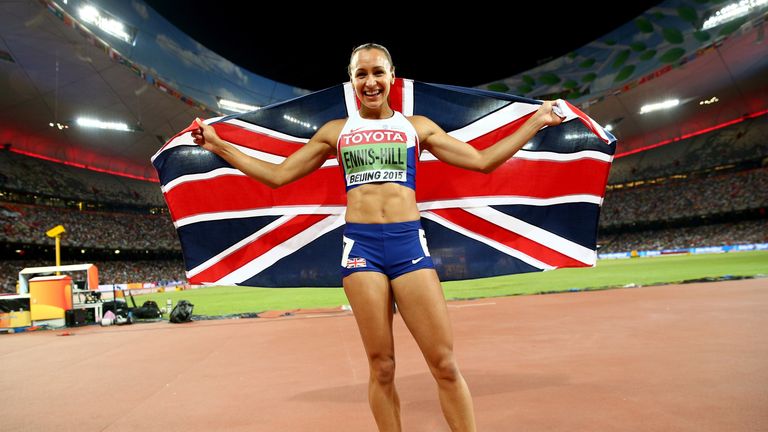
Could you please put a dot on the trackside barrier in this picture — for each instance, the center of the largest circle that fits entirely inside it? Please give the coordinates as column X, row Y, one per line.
column 696, row 251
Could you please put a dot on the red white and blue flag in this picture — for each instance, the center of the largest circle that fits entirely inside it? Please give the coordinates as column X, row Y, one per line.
column 538, row 211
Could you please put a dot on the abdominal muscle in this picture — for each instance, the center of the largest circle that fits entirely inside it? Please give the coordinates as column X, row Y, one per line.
column 380, row 203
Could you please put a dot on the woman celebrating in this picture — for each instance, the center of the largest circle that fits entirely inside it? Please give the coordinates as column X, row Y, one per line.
column 385, row 258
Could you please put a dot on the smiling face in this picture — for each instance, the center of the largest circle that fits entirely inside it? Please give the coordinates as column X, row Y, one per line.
column 372, row 76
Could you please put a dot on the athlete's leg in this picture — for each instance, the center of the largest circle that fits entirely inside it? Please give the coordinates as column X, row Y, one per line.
column 421, row 303
column 370, row 296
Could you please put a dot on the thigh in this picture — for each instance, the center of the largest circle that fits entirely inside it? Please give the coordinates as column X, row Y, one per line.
column 370, row 296
column 421, row 303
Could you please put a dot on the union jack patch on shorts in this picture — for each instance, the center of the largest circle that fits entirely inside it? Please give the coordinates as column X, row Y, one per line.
column 356, row 262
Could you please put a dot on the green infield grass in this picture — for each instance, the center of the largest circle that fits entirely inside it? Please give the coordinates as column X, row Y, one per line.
column 225, row 300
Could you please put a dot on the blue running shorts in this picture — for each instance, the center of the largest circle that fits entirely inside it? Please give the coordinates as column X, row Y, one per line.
column 393, row 249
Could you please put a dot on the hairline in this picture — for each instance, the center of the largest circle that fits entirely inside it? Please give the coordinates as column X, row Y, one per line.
column 371, row 46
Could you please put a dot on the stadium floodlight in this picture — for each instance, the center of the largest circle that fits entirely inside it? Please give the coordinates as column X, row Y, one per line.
column 667, row 104
column 300, row 122
column 58, row 125
column 235, row 106
column 107, row 23
column 100, row 124
column 732, row 11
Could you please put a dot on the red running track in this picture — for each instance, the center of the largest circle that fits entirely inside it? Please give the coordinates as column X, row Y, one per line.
column 670, row 358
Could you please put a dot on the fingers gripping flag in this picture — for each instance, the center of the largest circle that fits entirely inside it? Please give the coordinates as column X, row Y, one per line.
column 538, row 211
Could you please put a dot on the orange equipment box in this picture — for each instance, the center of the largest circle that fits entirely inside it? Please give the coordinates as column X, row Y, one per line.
column 50, row 296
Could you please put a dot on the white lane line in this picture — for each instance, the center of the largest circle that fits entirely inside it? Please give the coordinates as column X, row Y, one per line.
column 470, row 305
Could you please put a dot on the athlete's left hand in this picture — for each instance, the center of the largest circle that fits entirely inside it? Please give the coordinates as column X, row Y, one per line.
column 547, row 116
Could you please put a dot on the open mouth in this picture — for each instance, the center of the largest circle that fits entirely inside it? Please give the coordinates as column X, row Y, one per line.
column 372, row 93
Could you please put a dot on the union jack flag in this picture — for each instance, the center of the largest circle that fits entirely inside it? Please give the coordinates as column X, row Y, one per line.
column 538, row 211
column 356, row 262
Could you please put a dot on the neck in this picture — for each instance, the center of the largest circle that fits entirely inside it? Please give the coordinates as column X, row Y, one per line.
column 376, row 113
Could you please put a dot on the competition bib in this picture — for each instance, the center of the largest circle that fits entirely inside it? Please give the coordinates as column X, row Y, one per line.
column 374, row 156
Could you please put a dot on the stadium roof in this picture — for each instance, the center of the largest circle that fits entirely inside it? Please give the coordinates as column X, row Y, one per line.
column 465, row 46
column 54, row 67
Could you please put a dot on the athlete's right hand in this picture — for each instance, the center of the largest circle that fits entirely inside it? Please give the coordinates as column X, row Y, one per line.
column 206, row 137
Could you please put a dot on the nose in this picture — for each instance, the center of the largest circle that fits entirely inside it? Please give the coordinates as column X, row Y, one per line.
column 370, row 81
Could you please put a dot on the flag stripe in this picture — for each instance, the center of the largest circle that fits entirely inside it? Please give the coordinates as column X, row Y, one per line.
column 536, row 234
column 234, row 193
column 252, row 249
column 496, row 122
column 407, row 98
column 238, row 126
column 426, row 156
column 291, row 245
column 570, row 219
column 606, row 136
column 226, row 169
column 548, row 256
column 437, row 181
column 237, row 132
column 508, row 200
column 574, row 221
column 267, row 211
column 208, row 242
column 481, row 133
column 520, row 177
column 262, row 227
column 173, row 141
column 490, row 241
column 423, row 206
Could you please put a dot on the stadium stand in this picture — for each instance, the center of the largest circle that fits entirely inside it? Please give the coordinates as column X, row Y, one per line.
column 677, row 198
column 44, row 179
column 735, row 144
column 24, row 223
column 723, row 234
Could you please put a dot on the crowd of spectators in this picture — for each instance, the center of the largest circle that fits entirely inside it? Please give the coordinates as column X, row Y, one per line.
column 160, row 272
column 22, row 173
column 20, row 223
column 723, row 234
column 685, row 198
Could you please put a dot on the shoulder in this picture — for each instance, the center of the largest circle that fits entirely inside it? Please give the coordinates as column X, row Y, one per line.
column 330, row 131
column 335, row 125
column 424, row 125
column 420, row 121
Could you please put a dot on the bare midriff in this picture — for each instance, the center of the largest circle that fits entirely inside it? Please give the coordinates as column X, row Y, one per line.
column 381, row 203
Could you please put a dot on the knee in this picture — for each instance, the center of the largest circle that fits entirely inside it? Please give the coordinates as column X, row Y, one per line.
column 383, row 369
column 445, row 369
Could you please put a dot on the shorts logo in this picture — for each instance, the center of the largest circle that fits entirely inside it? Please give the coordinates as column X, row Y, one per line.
column 415, row 261
column 356, row 262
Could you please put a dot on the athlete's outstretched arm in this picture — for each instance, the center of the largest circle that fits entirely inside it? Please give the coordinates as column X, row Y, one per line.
column 458, row 153
column 302, row 162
